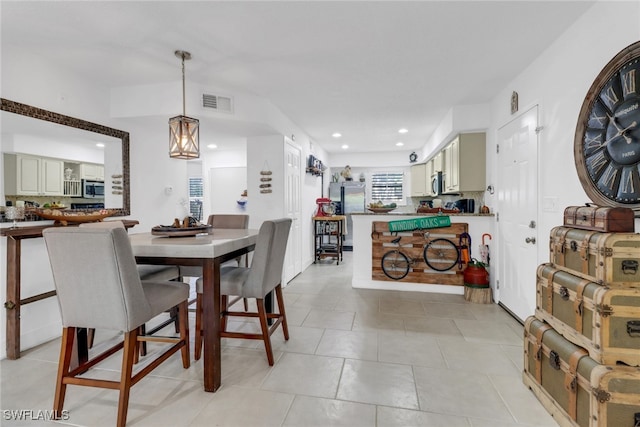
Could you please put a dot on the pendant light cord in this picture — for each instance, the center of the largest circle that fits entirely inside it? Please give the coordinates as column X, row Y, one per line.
column 184, row 109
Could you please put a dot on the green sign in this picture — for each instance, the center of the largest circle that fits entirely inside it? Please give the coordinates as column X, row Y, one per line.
column 420, row 223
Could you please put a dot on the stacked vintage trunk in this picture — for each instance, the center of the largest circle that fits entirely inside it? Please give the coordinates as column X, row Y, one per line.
column 582, row 347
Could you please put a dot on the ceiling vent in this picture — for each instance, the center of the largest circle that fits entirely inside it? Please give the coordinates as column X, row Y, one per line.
column 224, row 104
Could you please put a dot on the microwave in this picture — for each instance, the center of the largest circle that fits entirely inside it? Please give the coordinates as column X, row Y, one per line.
column 437, row 184
column 92, row 189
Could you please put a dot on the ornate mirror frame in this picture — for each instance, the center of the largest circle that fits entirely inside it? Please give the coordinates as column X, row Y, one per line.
column 50, row 116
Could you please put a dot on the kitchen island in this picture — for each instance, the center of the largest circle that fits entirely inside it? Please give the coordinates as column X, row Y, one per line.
column 478, row 224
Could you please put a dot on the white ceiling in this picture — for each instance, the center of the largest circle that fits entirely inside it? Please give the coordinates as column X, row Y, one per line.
column 361, row 68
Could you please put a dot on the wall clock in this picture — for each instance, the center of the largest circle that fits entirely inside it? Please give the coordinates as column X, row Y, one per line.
column 607, row 139
column 413, row 157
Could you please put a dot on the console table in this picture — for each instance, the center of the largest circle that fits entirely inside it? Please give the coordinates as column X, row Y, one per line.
column 13, row 301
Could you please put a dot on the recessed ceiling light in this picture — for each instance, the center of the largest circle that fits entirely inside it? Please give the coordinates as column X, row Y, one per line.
column 212, row 146
column 336, row 135
column 100, row 144
column 399, row 144
column 345, row 146
column 403, row 130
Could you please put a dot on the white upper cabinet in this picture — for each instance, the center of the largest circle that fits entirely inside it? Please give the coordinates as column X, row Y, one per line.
column 92, row 171
column 33, row 176
column 465, row 163
column 419, row 180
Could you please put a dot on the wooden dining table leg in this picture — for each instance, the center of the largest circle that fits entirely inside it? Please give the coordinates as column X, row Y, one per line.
column 211, row 324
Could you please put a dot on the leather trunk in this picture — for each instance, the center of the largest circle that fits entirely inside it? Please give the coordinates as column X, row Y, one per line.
column 596, row 218
column 574, row 388
column 606, row 322
column 605, row 258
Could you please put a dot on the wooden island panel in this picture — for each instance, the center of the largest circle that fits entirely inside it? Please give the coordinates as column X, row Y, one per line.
column 412, row 243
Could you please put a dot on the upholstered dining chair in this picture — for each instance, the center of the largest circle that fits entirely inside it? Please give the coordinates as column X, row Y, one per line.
column 98, row 286
column 263, row 277
column 154, row 273
column 240, row 221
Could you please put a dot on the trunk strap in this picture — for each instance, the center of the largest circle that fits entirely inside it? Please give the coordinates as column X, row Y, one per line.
column 560, row 246
column 538, row 356
column 584, row 252
column 550, row 292
column 571, row 382
column 578, row 305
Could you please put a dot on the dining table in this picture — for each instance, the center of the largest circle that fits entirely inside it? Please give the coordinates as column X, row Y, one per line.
column 207, row 250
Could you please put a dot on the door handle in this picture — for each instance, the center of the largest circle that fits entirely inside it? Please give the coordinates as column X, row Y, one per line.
column 531, row 240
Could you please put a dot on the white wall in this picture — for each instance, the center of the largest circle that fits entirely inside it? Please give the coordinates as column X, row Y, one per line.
column 558, row 82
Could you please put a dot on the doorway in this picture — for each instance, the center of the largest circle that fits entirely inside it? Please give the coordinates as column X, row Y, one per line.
column 517, row 213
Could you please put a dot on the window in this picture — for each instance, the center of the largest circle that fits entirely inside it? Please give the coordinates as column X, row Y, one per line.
column 196, row 195
column 387, row 186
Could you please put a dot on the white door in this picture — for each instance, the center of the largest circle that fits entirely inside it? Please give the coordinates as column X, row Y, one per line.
column 517, row 213
column 293, row 258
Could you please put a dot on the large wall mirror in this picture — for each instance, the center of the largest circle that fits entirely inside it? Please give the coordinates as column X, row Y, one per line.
column 33, row 131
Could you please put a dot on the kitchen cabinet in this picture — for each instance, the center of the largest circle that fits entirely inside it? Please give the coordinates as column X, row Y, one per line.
column 92, row 171
column 419, row 180
column 33, row 176
column 465, row 163
column 430, row 177
column 451, row 165
column 438, row 161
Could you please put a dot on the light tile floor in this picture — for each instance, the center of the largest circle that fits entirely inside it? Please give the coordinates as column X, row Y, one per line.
column 355, row 358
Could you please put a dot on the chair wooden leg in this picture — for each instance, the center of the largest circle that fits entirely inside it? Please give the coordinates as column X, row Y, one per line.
column 246, row 304
column 280, row 299
column 143, row 345
column 66, row 351
column 128, row 354
column 198, row 334
column 262, row 314
column 173, row 314
column 91, row 334
column 183, row 311
column 224, row 305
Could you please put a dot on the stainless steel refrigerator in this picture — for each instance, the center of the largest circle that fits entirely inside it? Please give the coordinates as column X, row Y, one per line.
column 349, row 197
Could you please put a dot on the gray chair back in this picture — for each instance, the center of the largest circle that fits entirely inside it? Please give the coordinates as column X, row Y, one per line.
column 229, row 220
column 96, row 278
column 268, row 258
column 102, row 224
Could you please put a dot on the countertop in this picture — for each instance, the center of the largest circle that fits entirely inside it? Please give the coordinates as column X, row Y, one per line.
column 421, row 214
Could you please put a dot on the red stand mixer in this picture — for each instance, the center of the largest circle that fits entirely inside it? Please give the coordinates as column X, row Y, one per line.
column 325, row 207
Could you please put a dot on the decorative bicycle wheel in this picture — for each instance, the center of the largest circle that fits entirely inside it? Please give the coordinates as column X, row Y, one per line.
column 441, row 254
column 395, row 265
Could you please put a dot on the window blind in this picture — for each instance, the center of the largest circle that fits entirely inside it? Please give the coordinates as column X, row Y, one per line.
column 387, row 186
column 196, row 194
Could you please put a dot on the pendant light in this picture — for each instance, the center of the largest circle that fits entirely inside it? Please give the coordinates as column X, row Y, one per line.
column 183, row 131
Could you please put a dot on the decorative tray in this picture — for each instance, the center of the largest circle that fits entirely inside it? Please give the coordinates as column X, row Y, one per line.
column 65, row 218
column 170, row 231
column 380, row 210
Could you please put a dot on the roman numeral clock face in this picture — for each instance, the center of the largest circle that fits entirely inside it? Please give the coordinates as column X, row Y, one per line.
column 607, row 140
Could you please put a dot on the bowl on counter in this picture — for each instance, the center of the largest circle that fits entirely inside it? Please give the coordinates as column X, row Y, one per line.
column 65, row 218
column 381, row 210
